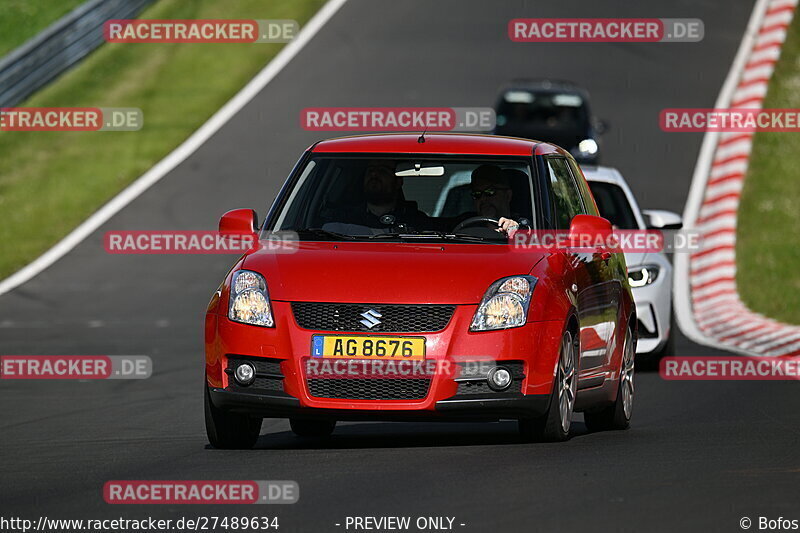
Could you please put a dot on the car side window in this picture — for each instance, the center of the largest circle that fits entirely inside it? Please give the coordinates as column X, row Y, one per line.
column 588, row 199
column 566, row 197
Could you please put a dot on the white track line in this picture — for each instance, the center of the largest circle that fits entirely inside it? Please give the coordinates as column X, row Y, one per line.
column 177, row 156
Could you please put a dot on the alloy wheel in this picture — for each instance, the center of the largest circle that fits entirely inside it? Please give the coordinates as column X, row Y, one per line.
column 566, row 381
column 626, row 375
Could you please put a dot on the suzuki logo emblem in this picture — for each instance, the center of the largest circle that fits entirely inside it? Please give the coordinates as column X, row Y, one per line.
column 371, row 318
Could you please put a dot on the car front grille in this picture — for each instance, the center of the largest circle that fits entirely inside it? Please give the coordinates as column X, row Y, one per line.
column 381, row 317
column 369, row 389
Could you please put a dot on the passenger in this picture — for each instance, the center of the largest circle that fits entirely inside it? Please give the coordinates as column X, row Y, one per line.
column 384, row 203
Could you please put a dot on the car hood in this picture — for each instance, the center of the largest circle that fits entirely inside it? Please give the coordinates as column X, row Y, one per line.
column 388, row 272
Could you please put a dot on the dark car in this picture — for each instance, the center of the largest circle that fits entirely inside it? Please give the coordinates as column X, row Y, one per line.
column 554, row 112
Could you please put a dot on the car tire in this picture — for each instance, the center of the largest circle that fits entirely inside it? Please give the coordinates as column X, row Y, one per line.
column 230, row 431
column 312, row 428
column 617, row 416
column 555, row 424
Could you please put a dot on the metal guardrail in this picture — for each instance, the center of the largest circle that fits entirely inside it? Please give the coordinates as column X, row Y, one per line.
column 63, row 44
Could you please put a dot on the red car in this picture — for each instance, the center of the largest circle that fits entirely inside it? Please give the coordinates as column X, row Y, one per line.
column 397, row 291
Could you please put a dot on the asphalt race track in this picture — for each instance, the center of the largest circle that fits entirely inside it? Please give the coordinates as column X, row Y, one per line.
column 700, row 455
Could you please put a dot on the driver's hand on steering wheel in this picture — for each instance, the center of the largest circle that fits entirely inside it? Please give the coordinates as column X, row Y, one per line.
column 507, row 225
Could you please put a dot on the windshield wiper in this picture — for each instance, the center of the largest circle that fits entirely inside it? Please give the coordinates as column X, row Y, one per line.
column 465, row 237
column 426, row 235
column 446, row 236
column 319, row 232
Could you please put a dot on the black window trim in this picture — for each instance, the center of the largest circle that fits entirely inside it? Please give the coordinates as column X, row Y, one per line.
column 584, row 190
column 553, row 208
column 282, row 197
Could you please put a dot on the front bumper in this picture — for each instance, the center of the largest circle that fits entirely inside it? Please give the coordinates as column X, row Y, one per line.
column 653, row 311
column 272, row 406
column 534, row 346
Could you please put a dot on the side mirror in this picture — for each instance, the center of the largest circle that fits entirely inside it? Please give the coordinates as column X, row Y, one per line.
column 586, row 231
column 660, row 219
column 601, row 127
column 239, row 222
column 589, row 224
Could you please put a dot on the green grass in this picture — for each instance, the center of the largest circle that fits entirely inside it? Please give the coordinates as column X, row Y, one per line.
column 768, row 235
column 66, row 176
column 22, row 19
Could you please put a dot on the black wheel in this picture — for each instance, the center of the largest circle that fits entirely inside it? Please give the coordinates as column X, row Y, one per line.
column 554, row 425
column 229, row 431
column 618, row 414
column 312, row 428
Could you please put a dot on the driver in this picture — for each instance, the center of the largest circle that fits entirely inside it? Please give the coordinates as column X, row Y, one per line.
column 491, row 195
column 384, row 203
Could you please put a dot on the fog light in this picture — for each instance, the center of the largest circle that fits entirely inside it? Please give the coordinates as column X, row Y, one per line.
column 245, row 373
column 499, row 378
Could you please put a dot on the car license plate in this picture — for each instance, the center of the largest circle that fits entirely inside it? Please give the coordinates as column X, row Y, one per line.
column 368, row 347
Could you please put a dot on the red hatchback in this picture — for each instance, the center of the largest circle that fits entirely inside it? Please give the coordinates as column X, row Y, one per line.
column 389, row 286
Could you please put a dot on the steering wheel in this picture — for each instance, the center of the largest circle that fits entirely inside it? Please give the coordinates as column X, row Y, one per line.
column 471, row 221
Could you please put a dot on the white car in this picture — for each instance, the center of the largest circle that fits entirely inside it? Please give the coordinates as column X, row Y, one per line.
column 650, row 274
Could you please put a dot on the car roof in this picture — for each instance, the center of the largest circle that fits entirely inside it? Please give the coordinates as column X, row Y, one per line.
column 605, row 174
column 436, row 143
column 545, row 85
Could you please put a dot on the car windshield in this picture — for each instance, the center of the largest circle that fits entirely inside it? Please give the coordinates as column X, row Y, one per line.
column 542, row 111
column 358, row 197
column 613, row 204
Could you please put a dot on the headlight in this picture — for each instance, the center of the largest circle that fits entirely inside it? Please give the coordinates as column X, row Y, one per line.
column 642, row 275
column 505, row 304
column 588, row 147
column 249, row 299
